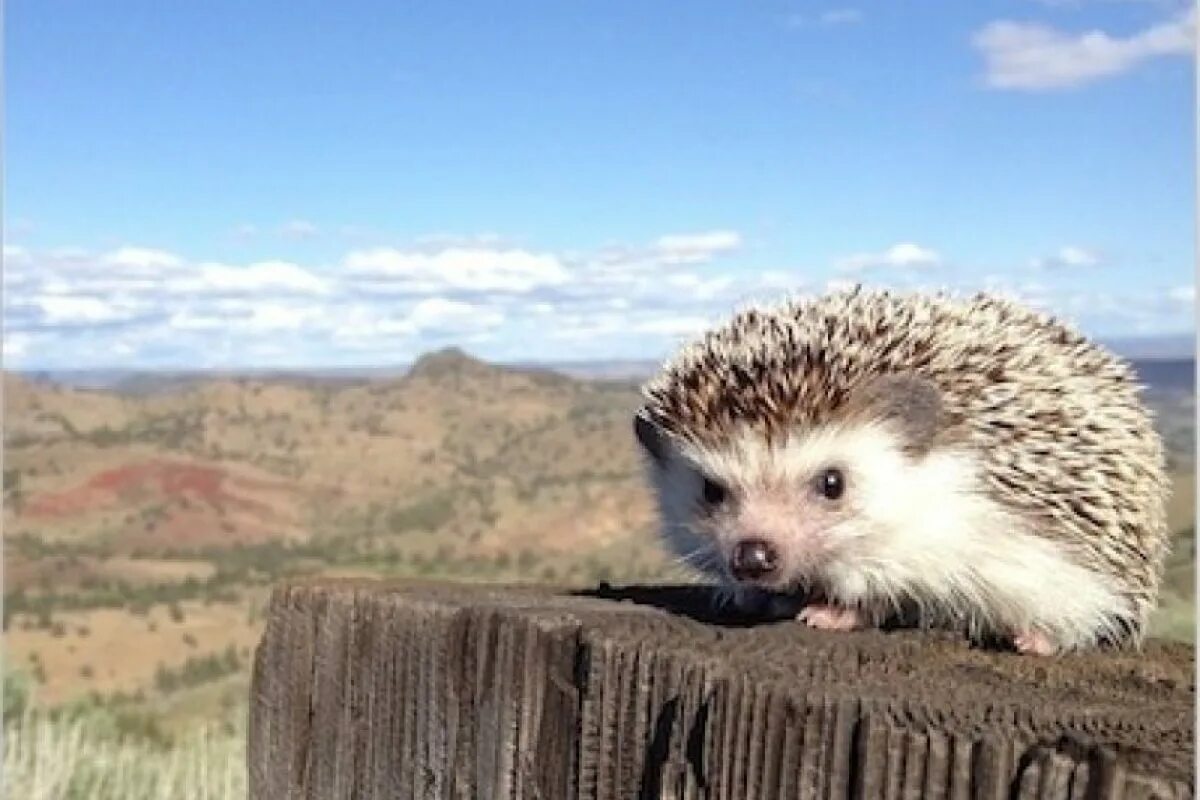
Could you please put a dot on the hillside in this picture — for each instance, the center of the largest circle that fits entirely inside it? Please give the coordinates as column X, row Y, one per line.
column 472, row 452
column 143, row 527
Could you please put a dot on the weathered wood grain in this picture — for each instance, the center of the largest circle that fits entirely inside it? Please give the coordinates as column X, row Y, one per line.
column 368, row 690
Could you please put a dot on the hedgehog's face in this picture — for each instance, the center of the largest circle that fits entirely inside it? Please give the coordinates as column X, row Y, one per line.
column 816, row 508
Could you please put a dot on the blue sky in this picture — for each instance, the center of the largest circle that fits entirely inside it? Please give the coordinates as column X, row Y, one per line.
column 290, row 184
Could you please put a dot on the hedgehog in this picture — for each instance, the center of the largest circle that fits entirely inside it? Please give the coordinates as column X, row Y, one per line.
column 964, row 460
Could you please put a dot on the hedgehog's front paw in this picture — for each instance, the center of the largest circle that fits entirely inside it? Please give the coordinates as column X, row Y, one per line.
column 830, row 617
column 1034, row 643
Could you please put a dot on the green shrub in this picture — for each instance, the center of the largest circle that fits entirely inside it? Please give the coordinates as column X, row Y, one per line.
column 427, row 514
column 198, row 670
column 17, row 690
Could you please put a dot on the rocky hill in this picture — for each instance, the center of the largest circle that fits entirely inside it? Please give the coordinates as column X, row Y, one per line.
column 457, row 458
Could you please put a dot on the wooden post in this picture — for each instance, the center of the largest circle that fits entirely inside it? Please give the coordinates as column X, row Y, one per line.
column 369, row 690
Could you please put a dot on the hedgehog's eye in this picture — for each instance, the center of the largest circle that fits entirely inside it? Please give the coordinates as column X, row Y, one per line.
column 831, row 483
column 714, row 493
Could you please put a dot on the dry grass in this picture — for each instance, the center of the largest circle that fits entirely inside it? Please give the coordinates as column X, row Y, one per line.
column 57, row 758
column 123, row 651
column 150, row 571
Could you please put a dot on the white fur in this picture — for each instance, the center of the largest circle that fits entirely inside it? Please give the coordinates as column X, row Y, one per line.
column 922, row 531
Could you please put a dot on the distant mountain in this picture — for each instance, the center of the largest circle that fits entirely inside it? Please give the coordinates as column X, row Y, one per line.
column 159, row 381
column 210, row 460
column 1167, row 374
column 617, row 370
column 1163, row 361
column 1153, row 348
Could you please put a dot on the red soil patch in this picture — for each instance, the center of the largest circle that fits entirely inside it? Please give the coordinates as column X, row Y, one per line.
column 168, row 480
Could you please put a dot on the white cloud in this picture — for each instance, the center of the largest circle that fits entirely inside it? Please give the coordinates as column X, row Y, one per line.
column 1068, row 256
column 299, row 229
column 438, row 313
column 370, row 327
column 248, row 317
column 1103, row 312
column 463, row 268
column 138, row 259
column 149, row 270
column 1183, row 295
column 696, row 248
column 698, row 287
column 145, row 307
column 279, row 316
column 190, row 320
column 903, row 255
column 1034, row 57
column 16, row 345
column 264, row 276
column 60, row 309
column 177, row 311
column 14, row 252
column 1023, row 289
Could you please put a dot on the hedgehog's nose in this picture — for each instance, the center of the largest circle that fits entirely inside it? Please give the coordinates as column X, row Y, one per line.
column 752, row 558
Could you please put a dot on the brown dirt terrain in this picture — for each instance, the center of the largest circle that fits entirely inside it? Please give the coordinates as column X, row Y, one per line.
column 111, row 650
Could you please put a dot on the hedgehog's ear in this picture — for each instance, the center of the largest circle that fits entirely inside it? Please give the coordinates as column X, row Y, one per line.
column 911, row 402
column 650, row 436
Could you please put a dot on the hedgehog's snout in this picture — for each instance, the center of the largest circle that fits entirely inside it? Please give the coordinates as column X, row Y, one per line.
column 753, row 559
